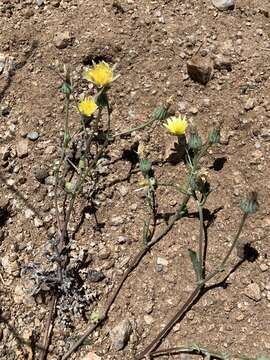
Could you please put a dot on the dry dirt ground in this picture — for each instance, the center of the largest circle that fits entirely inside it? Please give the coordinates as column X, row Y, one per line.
column 151, row 42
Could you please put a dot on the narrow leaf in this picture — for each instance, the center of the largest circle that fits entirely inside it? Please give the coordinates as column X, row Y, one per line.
column 196, row 264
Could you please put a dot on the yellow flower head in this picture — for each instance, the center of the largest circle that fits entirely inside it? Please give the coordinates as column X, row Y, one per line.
column 100, row 74
column 176, row 125
column 87, row 106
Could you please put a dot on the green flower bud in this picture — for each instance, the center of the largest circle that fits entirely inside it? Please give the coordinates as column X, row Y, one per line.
column 69, row 186
column 160, row 113
column 145, row 166
column 66, row 88
column 250, row 204
column 195, row 141
column 214, row 136
column 81, row 164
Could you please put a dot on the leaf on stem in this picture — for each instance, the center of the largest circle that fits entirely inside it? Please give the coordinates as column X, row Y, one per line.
column 196, row 264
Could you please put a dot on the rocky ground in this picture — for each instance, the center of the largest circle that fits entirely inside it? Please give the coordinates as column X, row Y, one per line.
column 216, row 65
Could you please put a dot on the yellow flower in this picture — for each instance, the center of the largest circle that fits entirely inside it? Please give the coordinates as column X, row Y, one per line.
column 176, row 125
column 101, row 74
column 87, row 106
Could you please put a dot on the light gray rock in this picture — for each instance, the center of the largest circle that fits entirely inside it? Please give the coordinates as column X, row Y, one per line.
column 120, row 334
column 253, row 292
column 224, row 4
column 33, row 135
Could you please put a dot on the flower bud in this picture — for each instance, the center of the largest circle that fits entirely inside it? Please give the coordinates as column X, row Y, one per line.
column 195, row 141
column 160, row 113
column 214, row 136
column 250, row 204
column 145, row 166
column 69, row 186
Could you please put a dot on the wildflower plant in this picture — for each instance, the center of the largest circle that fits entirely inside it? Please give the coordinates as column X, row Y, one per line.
column 95, row 115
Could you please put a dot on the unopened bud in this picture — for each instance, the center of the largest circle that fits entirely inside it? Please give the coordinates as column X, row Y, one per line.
column 145, row 166
column 214, row 136
column 195, row 141
column 250, row 204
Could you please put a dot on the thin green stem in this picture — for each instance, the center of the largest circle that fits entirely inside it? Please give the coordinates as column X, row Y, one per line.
column 195, row 350
column 201, row 236
column 140, row 127
column 223, row 263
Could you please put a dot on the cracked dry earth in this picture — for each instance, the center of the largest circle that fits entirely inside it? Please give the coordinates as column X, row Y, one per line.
column 151, row 43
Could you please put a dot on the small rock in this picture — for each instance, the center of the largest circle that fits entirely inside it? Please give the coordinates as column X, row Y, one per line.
column 253, row 292
column 50, row 180
column 224, row 4
column 19, row 294
column 10, row 266
column 33, row 135
column 117, row 220
column 120, row 334
column 2, row 62
column 222, row 63
column 263, row 267
column 148, row 319
column 63, row 39
column 161, row 261
column 22, row 148
column 38, row 222
column 5, row 153
column 249, row 105
column 95, row 276
column 200, row 69
column 29, row 213
column 41, row 173
column 123, row 190
column 40, row 3
column 193, row 110
column 122, row 239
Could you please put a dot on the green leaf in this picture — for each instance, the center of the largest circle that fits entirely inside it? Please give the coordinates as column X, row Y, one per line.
column 196, row 264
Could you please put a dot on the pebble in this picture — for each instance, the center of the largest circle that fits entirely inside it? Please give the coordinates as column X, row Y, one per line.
column 40, row 2
column 22, row 148
column 224, row 4
column 50, row 180
column 162, row 261
column 250, row 104
column 123, row 190
column 148, row 319
column 10, row 267
column 263, row 267
column 41, row 173
column 117, row 220
column 222, row 62
column 2, row 62
column 5, row 153
column 33, row 135
column 63, row 39
column 95, row 276
column 29, row 213
column 120, row 334
column 122, row 239
column 253, row 292
column 38, row 222
column 200, row 69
